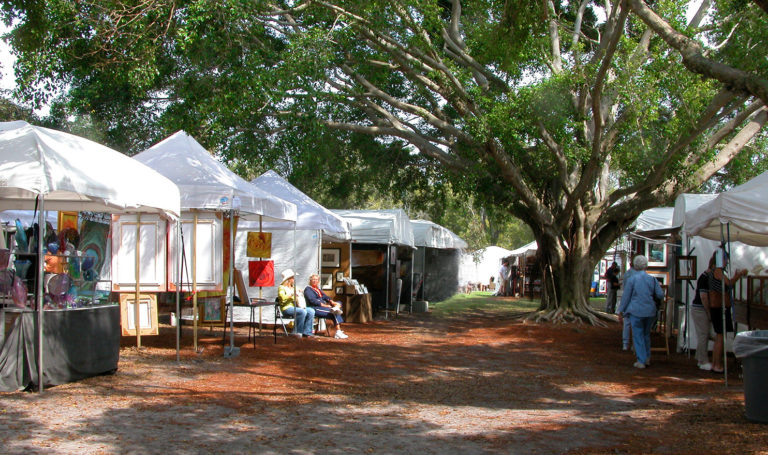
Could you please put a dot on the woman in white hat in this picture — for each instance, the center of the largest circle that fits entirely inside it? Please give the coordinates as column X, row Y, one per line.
column 304, row 318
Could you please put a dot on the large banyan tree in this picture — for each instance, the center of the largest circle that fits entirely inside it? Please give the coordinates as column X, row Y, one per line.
column 573, row 116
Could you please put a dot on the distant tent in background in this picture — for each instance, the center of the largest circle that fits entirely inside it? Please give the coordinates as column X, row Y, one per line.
column 436, row 261
column 479, row 266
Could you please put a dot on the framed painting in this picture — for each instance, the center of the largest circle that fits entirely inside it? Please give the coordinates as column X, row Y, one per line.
column 326, row 281
column 330, row 257
column 339, row 276
column 686, row 267
column 67, row 220
column 662, row 278
column 656, row 254
column 259, row 245
column 339, row 290
column 147, row 314
column 211, row 310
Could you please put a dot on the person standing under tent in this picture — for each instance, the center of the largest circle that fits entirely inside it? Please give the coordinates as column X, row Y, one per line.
column 637, row 303
column 702, row 321
column 626, row 328
column 612, row 281
column 503, row 277
column 716, row 279
column 304, row 318
column 323, row 305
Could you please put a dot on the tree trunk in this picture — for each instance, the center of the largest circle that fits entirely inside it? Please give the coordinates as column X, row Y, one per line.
column 565, row 283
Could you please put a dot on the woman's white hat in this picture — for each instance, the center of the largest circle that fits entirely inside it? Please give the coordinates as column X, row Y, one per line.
column 287, row 273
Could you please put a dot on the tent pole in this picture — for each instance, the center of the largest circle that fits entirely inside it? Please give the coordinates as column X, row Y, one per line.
column 137, row 302
column 194, row 280
column 178, row 288
column 723, row 304
column 232, row 351
column 39, row 292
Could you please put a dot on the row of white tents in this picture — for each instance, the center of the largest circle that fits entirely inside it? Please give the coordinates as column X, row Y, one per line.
column 177, row 179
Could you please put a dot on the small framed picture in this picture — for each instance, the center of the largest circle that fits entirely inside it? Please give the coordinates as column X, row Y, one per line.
column 339, row 276
column 686, row 267
column 330, row 257
column 339, row 290
column 326, row 281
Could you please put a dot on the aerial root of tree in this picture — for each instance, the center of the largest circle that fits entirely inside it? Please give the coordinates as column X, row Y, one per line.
column 568, row 316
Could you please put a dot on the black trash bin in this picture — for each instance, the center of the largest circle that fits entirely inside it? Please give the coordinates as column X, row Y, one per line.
column 752, row 348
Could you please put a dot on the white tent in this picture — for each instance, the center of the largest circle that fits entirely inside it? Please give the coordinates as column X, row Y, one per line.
column 432, row 235
column 384, row 227
column 390, row 228
column 436, row 262
column 744, row 210
column 654, row 222
column 206, row 184
column 525, row 250
column 299, row 249
column 479, row 266
column 75, row 174
column 71, row 173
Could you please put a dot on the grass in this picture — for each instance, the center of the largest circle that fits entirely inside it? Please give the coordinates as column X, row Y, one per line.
column 485, row 301
column 481, row 301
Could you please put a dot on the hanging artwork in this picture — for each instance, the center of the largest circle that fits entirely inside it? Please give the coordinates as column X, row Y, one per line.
column 67, row 220
column 259, row 245
column 261, row 273
column 93, row 242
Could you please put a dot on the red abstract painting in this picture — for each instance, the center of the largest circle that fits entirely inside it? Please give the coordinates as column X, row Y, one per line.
column 261, row 273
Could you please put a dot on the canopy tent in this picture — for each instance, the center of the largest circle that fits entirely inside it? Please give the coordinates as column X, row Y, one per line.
column 436, row 261
column 61, row 171
column 76, row 174
column 432, row 235
column 206, row 184
column 479, row 266
column 526, row 250
column 388, row 230
column 744, row 209
column 299, row 249
column 384, row 227
column 311, row 215
column 653, row 223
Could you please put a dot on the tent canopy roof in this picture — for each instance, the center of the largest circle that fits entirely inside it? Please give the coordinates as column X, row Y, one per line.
column 432, row 235
column 75, row 174
column 207, row 184
column 655, row 222
column 526, row 250
column 311, row 215
column 388, row 227
column 744, row 208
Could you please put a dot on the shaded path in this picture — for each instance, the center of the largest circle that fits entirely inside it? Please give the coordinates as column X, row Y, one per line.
column 480, row 383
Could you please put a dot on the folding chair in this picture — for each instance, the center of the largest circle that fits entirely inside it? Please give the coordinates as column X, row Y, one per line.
column 280, row 319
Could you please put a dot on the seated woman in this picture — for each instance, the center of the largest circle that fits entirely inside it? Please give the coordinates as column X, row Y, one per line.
column 323, row 305
column 304, row 318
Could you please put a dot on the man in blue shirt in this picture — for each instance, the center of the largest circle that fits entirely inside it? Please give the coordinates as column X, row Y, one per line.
column 637, row 303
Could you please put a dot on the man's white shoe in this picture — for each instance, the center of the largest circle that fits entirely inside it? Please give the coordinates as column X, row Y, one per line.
column 340, row 335
column 639, row 365
column 705, row 366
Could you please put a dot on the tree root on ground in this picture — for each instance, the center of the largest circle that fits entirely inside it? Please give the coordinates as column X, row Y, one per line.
column 570, row 316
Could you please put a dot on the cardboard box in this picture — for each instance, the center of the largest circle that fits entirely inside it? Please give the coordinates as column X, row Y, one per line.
column 349, row 289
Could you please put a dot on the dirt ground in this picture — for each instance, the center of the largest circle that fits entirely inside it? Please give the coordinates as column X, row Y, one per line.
column 483, row 382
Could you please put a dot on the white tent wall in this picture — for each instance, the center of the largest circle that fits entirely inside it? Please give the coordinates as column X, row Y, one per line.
column 304, row 260
column 487, row 265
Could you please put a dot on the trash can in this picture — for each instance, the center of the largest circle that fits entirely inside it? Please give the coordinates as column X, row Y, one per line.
column 752, row 348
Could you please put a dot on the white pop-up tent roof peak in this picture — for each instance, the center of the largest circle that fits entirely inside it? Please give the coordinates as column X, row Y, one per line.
column 206, row 183
column 432, row 235
column 311, row 215
column 386, row 227
column 75, row 174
